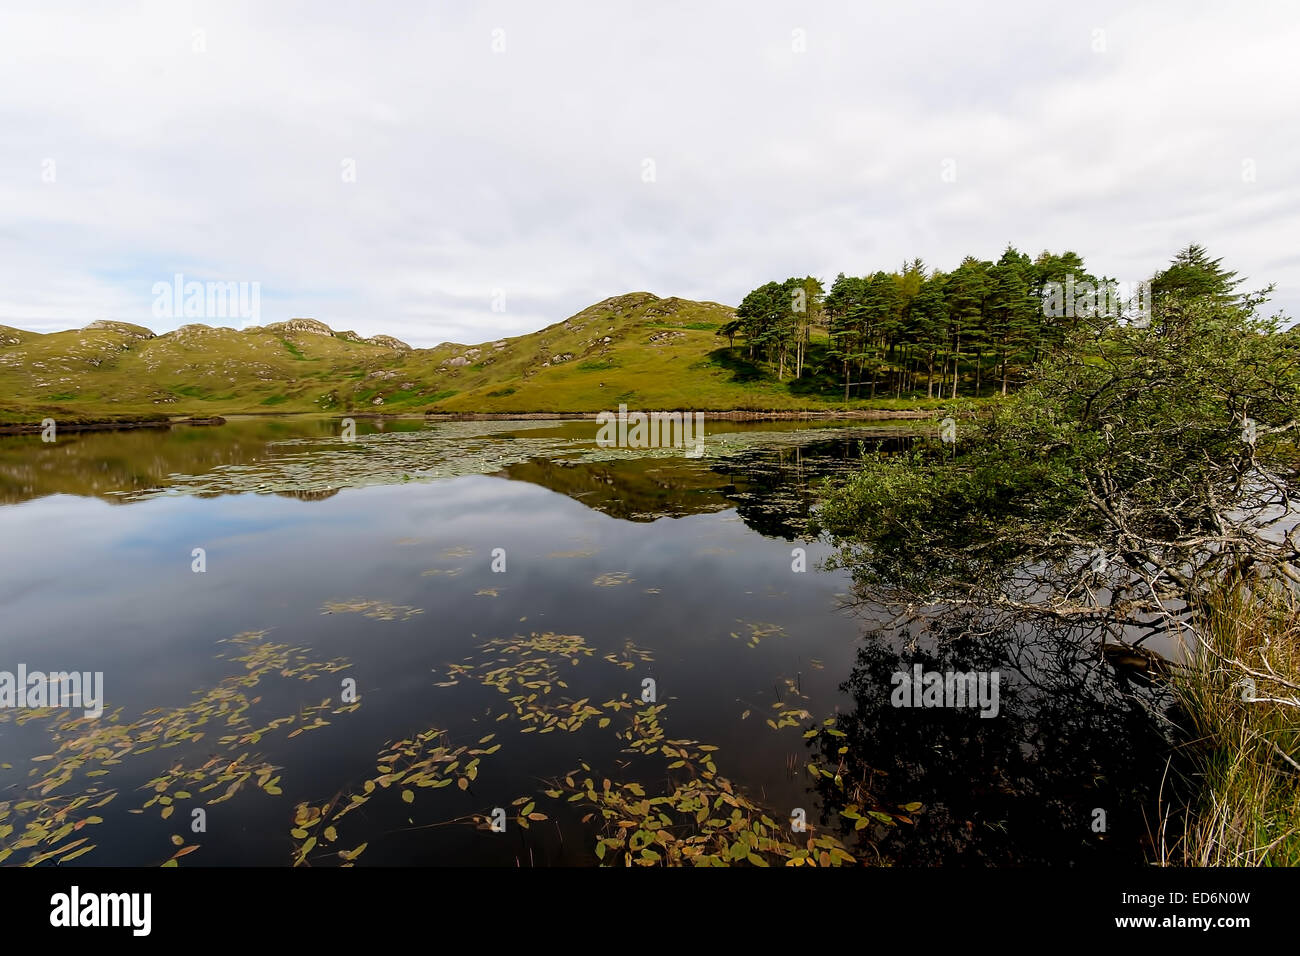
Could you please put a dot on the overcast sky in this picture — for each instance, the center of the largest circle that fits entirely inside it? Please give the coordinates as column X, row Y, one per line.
column 404, row 167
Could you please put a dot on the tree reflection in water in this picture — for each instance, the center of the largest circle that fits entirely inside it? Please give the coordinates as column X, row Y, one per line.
column 1071, row 741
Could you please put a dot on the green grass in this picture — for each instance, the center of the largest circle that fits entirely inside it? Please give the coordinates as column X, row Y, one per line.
column 694, row 326
column 1244, row 752
column 22, row 414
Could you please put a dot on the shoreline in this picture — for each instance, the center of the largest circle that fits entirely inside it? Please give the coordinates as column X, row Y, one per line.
column 735, row 415
column 105, row 425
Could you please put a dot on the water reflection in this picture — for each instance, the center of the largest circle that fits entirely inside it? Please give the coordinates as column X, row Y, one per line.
column 1069, row 770
column 687, row 562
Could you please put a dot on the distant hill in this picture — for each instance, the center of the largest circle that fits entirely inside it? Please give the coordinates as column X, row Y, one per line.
column 638, row 349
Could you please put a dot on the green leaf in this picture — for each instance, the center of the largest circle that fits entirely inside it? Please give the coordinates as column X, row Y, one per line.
column 306, row 848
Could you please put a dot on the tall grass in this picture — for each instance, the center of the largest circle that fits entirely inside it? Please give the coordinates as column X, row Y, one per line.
column 1241, row 696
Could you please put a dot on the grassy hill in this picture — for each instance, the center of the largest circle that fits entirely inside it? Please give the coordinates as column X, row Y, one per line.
column 638, row 349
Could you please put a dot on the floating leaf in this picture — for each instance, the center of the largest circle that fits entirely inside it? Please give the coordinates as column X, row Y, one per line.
column 74, row 855
column 352, row 854
column 306, row 848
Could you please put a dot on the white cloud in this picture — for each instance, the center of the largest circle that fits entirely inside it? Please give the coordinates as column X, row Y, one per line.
column 522, row 170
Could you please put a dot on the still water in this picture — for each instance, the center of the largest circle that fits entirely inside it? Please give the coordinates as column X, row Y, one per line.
column 321, row 652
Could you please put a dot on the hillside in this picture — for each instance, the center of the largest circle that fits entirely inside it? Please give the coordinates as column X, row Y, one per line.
column 636, row 349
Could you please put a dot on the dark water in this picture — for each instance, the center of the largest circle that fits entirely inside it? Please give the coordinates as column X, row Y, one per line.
column 617, row 571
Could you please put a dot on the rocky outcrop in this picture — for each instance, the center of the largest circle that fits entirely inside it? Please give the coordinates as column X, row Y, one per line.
column 122, row 328
column 314, row 327
column 10, row 336
column 309, row 326
column 388, row 342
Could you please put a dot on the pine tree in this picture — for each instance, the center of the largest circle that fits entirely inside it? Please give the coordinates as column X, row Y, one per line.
column 1193, row 274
